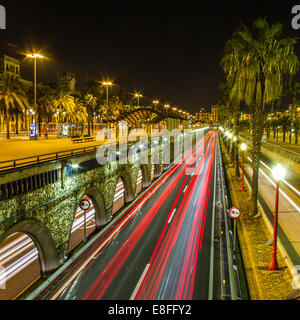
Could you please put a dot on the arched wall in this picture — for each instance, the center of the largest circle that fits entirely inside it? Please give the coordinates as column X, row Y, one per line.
column 42, row 239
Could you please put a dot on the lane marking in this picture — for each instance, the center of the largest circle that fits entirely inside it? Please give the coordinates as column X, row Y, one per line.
column 139, row 282
column 184, row 189
column 172, row 216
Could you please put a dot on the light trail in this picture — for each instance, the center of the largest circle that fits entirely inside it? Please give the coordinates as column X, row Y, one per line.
column 102, row 242
column 99, row 287
column 154, row 285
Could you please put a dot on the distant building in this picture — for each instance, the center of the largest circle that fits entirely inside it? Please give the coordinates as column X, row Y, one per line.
column 214, row 117
column 11, row 66
column 66, row 81
column 203, row 115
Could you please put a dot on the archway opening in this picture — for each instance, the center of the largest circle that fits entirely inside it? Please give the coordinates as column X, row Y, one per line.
column 19, row 265
column 84, row 224
column 139, row 182
column 152, row 172
column 157, row 170
column 119, row 197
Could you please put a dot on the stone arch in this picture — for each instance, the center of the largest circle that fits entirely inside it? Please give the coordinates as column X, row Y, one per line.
column 157, row 170
column 95, row 195
column 100, row 210
column 43, row 241
column 127, row 182
column 146, row 175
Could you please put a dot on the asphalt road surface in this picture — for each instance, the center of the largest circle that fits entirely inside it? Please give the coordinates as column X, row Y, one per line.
column 158, row 248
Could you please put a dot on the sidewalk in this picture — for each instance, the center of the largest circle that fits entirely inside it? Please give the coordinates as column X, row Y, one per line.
column 253, row 235
column 17, row 149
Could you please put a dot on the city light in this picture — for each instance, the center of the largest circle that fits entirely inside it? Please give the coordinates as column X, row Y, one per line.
column 35, row 55
column 243, row 146
column 278, row 172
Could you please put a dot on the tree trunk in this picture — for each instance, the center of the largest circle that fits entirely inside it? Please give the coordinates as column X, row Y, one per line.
column 17, row 123
column 236, row 123
column 89, row 127
column 40, row 125
column 257, row 132
column 7, row 128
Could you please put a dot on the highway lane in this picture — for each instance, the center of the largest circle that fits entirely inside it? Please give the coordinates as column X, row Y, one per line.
column 174, row 214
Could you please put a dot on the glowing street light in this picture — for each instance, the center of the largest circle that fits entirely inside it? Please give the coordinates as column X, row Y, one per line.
column 35, row 56
column 243, row 148
column 278, row 174
column 107, row 84
column 138, row 96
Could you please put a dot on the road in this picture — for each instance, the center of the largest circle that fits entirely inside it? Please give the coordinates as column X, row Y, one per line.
column 159, row 247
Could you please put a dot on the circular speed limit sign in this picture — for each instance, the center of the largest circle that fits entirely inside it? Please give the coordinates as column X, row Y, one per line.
column 235, row 213
column 85, row 205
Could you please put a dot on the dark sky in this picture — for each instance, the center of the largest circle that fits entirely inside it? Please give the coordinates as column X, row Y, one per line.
column 166, row 49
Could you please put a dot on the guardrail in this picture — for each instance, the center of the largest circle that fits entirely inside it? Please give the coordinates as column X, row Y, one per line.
column 9, row 165
column 28, row 161
column 232, row 264
column 291, row 155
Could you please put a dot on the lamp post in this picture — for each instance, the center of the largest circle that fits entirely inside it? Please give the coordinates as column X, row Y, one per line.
column 233, row 153
column 155, row 102
column 138, row 96
column 243, row 147
column 278, row 174
column 107, row 84
column 35, row 56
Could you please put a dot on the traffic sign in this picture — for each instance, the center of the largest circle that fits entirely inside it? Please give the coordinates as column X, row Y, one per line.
column 235, row 213
column 85, row 205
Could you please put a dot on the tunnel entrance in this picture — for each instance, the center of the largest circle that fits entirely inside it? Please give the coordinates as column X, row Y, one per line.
column 119, row 197
column 19, row 265
column 84, row 224
column 139, row 182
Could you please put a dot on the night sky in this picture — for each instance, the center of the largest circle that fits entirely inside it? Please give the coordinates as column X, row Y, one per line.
column 169, row 50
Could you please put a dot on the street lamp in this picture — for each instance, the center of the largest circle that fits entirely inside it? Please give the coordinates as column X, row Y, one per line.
column 35, row 56
column 233, row 153
column 138, row 96
column 243, row 147
column 107, row 84
column 278, row 174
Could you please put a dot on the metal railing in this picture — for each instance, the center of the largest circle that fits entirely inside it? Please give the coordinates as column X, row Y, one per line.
column 28, row 161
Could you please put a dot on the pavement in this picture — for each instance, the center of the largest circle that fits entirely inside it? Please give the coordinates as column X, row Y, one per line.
column 18, row 149
column 254, row 234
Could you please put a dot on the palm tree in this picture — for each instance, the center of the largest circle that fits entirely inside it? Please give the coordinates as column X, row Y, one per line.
column 79, row 115
column 12, row 97
column 232, row 95
column 63, row 102
column 295, row 90
column 45, row 108
column 266, row 62
column 285, row 123
column 91, row 106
